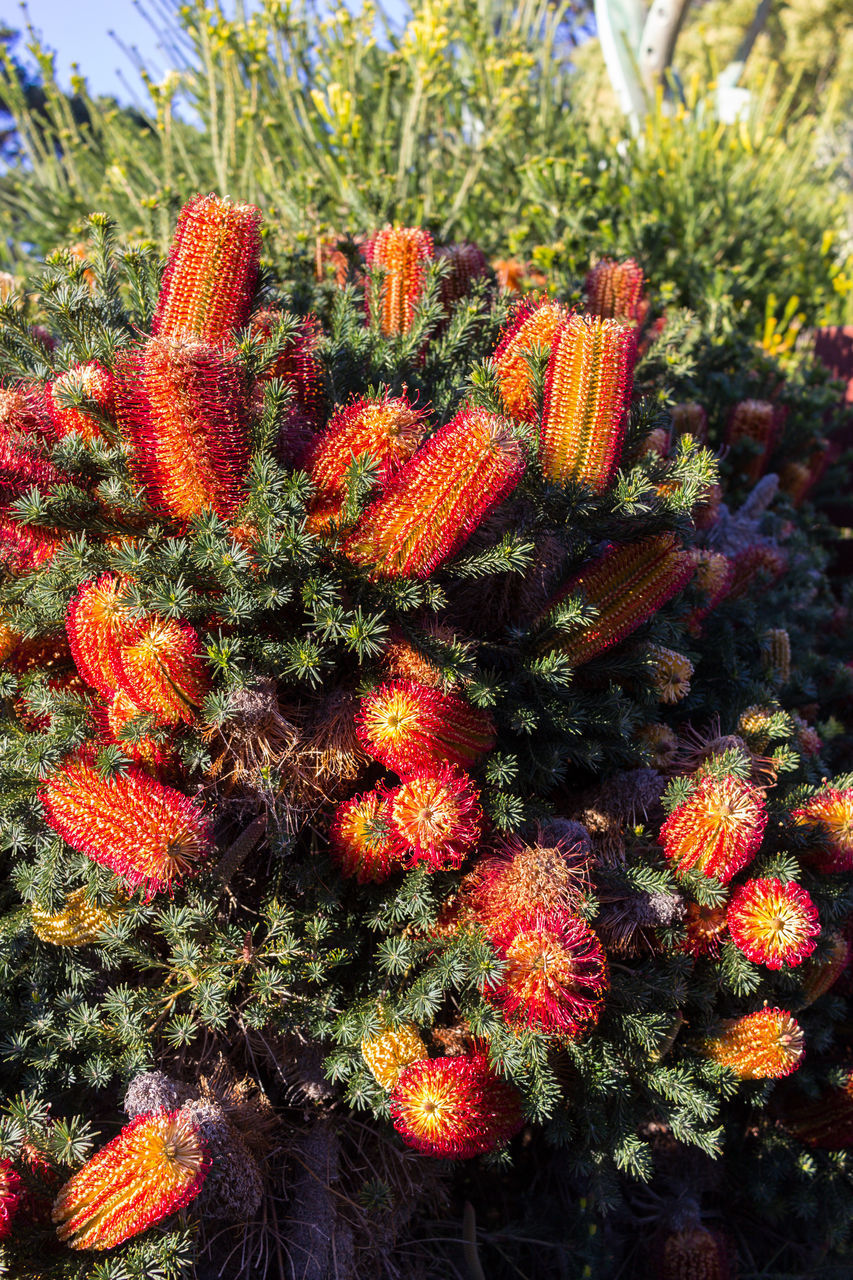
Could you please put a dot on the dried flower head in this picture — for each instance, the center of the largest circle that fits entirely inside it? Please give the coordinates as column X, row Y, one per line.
column 392, row 1049
column 773, row 922
column 79, row 922
column 765, row 1045
column 210, row 275
column 830, row 813
column 145, row 832
column 90, row 381
column 717, row 830
column 587, row 392
column 454, row 1108
column 671, row 673
column 155, row 1166
column 360, row 839
column 554, row 972
column 402, row 254
column 615, row 289
column 437, row 500
column 410, row 727
column 531, row 327
column 435, row 818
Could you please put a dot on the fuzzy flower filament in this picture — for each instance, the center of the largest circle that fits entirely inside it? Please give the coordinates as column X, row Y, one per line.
column 435, row 818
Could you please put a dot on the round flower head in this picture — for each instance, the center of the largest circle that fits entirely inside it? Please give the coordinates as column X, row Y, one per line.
column 388, row 1052
column 555, row 972
column 408, row 726
column 527, row 877
column 454, row 1108
column 360, row 839
column 717, row 830
column 435, row 818
column 765, row 1045
column 671, row 673
column 772, row 922
column 830, row 812
column 10, row 1197
column 155, row 1166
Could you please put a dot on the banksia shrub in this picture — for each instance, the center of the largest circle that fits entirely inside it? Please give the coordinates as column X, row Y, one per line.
column 555, row 972
column 147, row 833
column 389, row 1051
column 410, row 727
column 533, row 326
column 10, row 1197
column 181, row 408
column 717, row 830
column 615, row 289
column 587, row 394
column 626, row 585
column 765, row 1045
column 155, row 1166
column 401, row 255
column 829, row 817
column 210, row 276
column 435, row 818
column 454, row 1108
column 90, row 382
column 438, row 498
column 772, row 922
column 360, row 839
column 79, row 922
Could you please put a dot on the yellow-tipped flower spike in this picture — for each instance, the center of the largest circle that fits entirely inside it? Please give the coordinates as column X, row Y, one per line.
column 155, row 1166
column 671, row 673
column 388, row 1052
column 532, row 325
column 403, row 253
column 78, row 923
column 765, row 1045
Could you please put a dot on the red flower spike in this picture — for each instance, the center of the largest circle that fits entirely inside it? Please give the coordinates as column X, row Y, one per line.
column 765, row 1045
column 163, row 670
column 156, row 1166
column 297, row 365
column 435, row 818
column 454, row 1108
column 25, row 547
column 757, row 421
column 10, row 1197
column 773, row 923
column 360, row 839
column 466, row 263
column 627, row 585
column 438, row 498
column 145, row 832
column 614, row 290
column 98, row 625
column 181, row 407
column 410, row 727
column 211, row 272
column 96, row 383
column 717, row 830
column 555, row 972
column 826, row 1121
column 830, row 812
column 533, row 323
column 748, row 564
column 402, row 253
column 587, row 394
column 111, row 722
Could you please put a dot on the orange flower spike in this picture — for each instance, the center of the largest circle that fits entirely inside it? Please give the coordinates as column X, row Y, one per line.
column 389, row 429
column 533, row 323
column 587, row 394
column 614, row 290
column 402, row 253
column 181, row 407
column 211, row 272
column 717, row 830
column 164, row 671
column 96, row 383
column 454, row 1108
column 773, row 923
column 435, row 818
column 98, row 624
column 156, row 1166
column 830, row 812
column 111, row 722
column 627, row 584
column 438, row 498
column 765, row 1045
column 360, row 839
column 756, row 421
column 410, row 727
column 145, row 832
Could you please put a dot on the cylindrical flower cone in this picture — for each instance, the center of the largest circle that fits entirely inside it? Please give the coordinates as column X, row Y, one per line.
column 297, row 365
column 765, row 1045
column 211, row 272
column 435, row 818
column 758, row 422
column 820, row 976
column 25, row 547
column 671, row 673
column 773, row 923
column 163, row 670
column 627, row 585
column 695, row 1253
column 466, row 263
column 402, row 255
column 587, row 393
column 77, row 924
column 410, row 727
column 156, row 1166
column 389, row 1051
column 717, row 830
column 147, row 833
column 428, row 512
column 181, row 407
column 98, row 624
column 533, row 324
column 614, row 290
column 454, row 1108
column 11, row 1192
